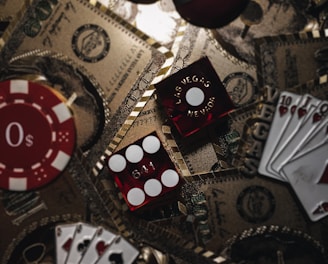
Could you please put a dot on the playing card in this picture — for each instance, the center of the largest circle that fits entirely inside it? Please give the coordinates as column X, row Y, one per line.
column 316, row 139
column 301, row 113
column 98, row 246
column 305, row 131
column 120, row 251
column 64, row 236
column 308, row 175
column 84, row 233
column 286, row 106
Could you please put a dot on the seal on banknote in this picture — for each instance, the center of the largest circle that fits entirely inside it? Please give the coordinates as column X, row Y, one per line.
column 256, row 204
column 90, row 43
column 241, row 87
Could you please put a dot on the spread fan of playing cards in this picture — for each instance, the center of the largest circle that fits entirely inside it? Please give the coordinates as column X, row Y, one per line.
column 296, row 150
column 87, row 244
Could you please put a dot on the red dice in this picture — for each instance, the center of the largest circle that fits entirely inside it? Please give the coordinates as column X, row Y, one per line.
column 194, row 97
column 144, row 172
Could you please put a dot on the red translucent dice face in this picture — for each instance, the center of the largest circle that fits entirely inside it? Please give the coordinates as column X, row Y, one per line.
column 144, row 172
column 194, row 97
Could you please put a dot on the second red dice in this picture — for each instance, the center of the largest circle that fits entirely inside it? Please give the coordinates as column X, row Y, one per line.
column 144, row 172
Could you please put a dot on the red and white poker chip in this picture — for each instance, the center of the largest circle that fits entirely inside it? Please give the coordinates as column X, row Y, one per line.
column 37, row 135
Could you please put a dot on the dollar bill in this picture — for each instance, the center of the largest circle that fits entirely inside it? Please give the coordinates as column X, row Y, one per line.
column 284, row 61
column 103, row 68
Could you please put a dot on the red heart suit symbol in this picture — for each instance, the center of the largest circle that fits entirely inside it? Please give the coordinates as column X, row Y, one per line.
column 301, row 112
column 283, row 110
column 101, row 247
column 316, row 117
column 292, row 109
